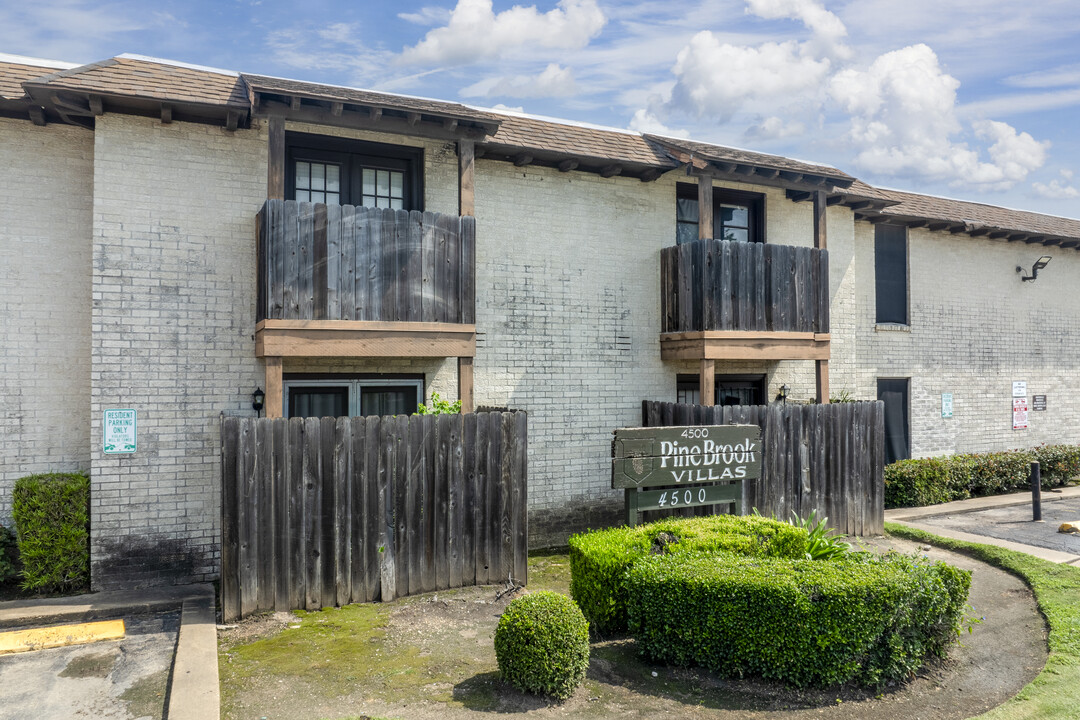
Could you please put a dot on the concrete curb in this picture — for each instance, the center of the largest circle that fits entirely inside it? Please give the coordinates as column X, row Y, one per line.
column 194, row 692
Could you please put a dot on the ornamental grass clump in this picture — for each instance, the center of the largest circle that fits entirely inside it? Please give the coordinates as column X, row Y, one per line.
column 542, row 644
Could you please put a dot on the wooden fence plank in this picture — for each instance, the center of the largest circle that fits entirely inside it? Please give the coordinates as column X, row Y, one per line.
column 414, row 513
column 414, row 283
column 282, row 544
column 467, row 270
column 456, row 508
column 347, row 264
column 298, row 553
column 265, row 549
column 373, row 519
column 387, row 539
column 305, row 294
column 442, row 501
column 519, row 442
column 249, row 521
column 428, row 573
column 378, row 240
column 362, row 237
column 506, row 500
column 494, row 498
column 327, row 559
column 399, row 487
column 358, row 540
column 469, row 510
column 428, row 263
column 230, row 520
column 342, row 539
column 313, row 512
column 483, row 529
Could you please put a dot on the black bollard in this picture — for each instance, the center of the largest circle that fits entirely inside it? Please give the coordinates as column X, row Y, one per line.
column 1036, row 492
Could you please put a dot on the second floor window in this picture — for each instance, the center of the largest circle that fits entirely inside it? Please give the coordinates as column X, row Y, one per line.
column 891, row 274
column 737, row 216
column 339, row 171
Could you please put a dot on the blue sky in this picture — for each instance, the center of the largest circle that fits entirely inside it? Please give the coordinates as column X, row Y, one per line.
column 973, row 99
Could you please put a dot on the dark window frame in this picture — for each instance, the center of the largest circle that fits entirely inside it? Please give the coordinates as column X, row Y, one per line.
column 351, row 380
column 760, row 381
column 754, row 201
column 892, row 290
column 354, row 156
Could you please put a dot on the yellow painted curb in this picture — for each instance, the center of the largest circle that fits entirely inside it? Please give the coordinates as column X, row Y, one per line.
column 60, row 635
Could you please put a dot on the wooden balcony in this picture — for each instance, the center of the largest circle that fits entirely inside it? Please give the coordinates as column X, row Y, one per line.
column 723, row 300
column 345, row 281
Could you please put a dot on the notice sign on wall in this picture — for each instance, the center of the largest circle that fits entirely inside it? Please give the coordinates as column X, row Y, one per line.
column 119, row 431
column 1019, row 388
column 1038, row 403
column 1020, row 413
column 946, row 405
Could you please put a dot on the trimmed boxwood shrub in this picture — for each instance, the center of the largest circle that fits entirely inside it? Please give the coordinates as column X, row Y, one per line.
column 931, row 481
column 599, row 559
column 864, row 618
column 542, row 644
column 52, row 521
column 9, row 556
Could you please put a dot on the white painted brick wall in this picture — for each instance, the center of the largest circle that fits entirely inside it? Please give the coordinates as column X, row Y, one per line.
column 975, row 328
column 45, row 206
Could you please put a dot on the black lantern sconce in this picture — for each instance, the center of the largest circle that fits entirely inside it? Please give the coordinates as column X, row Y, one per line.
column 1039, row 265
column 257, row 399
column 783, row 394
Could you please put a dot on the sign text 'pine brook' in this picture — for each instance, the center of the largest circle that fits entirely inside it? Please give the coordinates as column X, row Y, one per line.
column 652, row 457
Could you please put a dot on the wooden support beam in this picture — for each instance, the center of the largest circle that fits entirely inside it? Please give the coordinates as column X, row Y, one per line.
column 376, row 114
column 798, row 195
column 413, row 118
column 834, row 200
column 957, row 229
column 768, row 173
column 275, row 389
column 336, row 108
column 523, row 159
column 465, row 383
column 725, row 166
column 1070, row 244
column 568, row 165
column 1051, row 241
column 96, row 106
column 998, row 234
column 978, row 231
column 294, row 102
column 744, row 169
column 232, row 120
column 450, row 124
column 914, row 224
column 1016, row 237
column 741, row 345
column 275, row 158
column 651, row 174
column 37, row 115
column 611, row 171
column 166, row 113
column 793, row 177
column 349, row 338
column 479, row 151
column 1034, row 239
column 71, row 107
column 707, row 383
column 878, row 219
column 937, row 226
column 820, row 224
column 466, row 178
column 822, row 381
column 705, row 212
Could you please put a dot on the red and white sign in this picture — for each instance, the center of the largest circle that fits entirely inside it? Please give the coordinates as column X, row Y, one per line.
column 1020, row 413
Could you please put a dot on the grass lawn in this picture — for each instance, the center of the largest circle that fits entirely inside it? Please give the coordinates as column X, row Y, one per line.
column 1055, row 693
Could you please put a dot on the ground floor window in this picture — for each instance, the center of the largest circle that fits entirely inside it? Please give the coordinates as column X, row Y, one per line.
column 894, row 393
column 730, row 390
column 351, row 396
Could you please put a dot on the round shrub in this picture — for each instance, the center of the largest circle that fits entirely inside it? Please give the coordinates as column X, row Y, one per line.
column 52, row 521
column 599, row 559
column 542, row 644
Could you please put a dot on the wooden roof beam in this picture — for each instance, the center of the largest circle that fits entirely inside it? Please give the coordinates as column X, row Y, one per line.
column 37, row 115
column 956, row 229
column 744, row 169
column 232, row 120
column 768, row 173
column 336, row 108
column 166, row 113
column 976, row 232
column 859, row 204
column 413, row 118
column 1034, row 239
column 96, row 106
column 725, row 166
column 916, row 224
column 568, row 165
column 935, row 226
column 611, row 171
column 1070, row 243
column 792, row 177
column 71, row 107
column 523, row 159
column 998, row 234
column 878, row 220
column 1051, row 241
column 833, row 200
column 450, row 124
column 649, row 175
column 798, row 195
column 294, row 102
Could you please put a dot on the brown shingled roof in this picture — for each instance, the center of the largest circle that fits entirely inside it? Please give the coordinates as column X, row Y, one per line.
column 720, row 153
column 148, row 79
column 578, row 141
column 13, row 75
column 977, row 216
column 281, row 86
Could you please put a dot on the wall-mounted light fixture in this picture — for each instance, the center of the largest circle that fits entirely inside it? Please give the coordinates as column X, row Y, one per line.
column 783, row 394
column 1039, row 265
column 257, row 399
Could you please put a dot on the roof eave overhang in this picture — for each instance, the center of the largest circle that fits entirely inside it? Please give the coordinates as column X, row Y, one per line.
column 967, row 227
column 80, row 106
column 566, row 161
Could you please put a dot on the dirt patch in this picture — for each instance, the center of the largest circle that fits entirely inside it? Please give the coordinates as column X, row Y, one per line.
column 433, row 657
column 98, row 665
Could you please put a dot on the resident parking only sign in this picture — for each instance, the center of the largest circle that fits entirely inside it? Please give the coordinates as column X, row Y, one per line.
column 119, row 431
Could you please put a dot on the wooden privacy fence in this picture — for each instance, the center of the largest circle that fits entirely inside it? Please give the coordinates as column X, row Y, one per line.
column 730, row 285
column 329, row 511
column 345, row 262
column 824, row 458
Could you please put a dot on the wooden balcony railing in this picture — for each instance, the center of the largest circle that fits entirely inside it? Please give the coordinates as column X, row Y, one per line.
column 340, row 262
column 724, row 300
column 738, row 286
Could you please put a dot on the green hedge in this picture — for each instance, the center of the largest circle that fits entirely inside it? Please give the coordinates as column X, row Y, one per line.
column 930, row 481
column 9, row 556
column 52, row 521
column 599, row 559
column 864, row 618
column 542, row 644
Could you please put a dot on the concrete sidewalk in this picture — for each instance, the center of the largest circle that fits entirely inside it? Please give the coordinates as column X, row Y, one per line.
column 193, row 684
column 920, row 518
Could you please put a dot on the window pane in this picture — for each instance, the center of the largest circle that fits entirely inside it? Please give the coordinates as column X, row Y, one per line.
column 303, row 196
column 890, row 273
column 382, row 202
column 735, row 215
column 686, row 232
column 333, row 178
column 369, row 183
column 333, row 198
column 382, row 182
column 388, row 400
column 318, row 401
column 318, row 176
column 369, row 201
column 397, row 181
column 736, row 234
column 396, row 203
column 319, row 197
column 894, row 393
column 686, row 210
column 303, row 175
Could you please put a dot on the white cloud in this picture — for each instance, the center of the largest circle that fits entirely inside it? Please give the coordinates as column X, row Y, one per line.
column 1053, row 77
column 774, row 128
column 554, row 81
column 771, row 72
column 508, row 108
column 427, row 16
column 903, row 122
column 645, row 121
column 1058, row 188
column 475, row 32
column 827, row 29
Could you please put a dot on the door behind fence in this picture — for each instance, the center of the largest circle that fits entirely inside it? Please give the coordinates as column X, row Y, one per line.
column 328, row 511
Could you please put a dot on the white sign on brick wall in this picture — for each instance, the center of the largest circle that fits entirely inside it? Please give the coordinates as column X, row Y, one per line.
column 946, row 405
column 1019, row 388
column 1020, row 413
column 119, row 431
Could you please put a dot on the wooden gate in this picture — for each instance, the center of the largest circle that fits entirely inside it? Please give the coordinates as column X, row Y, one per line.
column 824, row 458
column 328, row 511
